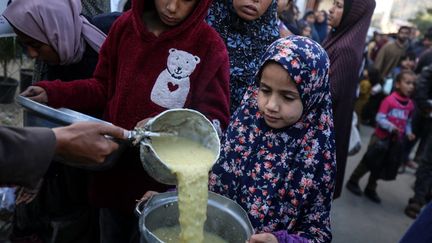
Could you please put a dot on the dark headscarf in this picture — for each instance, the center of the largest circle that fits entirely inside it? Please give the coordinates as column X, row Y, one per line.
column 246, row 41
column 321, row 28
column 345, row 45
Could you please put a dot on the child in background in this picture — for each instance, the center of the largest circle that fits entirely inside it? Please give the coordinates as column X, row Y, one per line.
column 393, row 123
column 278, row 155
column 247, row 33
column 283, row 6
column 368, row 87
column 159, row 55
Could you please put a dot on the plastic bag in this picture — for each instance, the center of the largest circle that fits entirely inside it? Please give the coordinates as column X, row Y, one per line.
column 355, row 140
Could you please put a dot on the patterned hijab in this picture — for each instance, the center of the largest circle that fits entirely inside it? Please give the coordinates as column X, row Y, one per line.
column 57, row 23
column 279, row 175
column 246, row 41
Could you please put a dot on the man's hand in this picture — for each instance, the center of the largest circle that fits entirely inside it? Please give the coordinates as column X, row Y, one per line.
column 36, row 93
column 85, row 142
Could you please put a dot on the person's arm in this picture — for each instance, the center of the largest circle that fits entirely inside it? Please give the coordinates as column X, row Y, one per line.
column 25, row 154
column 213, row 99
column 381, row 117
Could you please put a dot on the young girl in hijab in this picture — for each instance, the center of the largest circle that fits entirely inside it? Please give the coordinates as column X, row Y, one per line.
column 350, row 20
column 278, row 155
column 248, row 27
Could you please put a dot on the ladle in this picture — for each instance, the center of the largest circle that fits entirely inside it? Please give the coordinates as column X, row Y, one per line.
column 135, row 136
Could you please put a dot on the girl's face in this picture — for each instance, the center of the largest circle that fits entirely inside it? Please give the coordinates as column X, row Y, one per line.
column 37, row 49
column 408, row 64
column 278, row 98
column 406, row 85
column 335, row 13
column 251, row 9
column 320, row 16
column 173, row 12
column 307, row 31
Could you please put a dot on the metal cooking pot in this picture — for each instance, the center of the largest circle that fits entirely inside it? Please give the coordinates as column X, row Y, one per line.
column 184, row 123
column 225, row 217
column 40, row 115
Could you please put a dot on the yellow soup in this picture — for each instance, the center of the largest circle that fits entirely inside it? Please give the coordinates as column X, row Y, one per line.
column 171, row 235
column 190, row 161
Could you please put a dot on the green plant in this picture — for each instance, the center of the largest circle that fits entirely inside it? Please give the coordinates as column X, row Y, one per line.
column 7, row 54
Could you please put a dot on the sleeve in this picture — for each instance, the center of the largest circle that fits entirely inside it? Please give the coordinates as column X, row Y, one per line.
column 25, row 154
column 380, row 60
column 86, row 94
column 381, row 116
column 283, row 237
column 408, row 127
column 213, row 101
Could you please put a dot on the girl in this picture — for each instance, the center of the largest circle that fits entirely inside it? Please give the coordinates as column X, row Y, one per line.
column 159, row 55
column 393, row 118
column 349, row 20
column 248, row 27
column 278, row 155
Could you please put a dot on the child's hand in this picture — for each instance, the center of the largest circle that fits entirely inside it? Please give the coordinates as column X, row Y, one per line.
column 142, row 123
column 148, row 195
column 36, row 93
column 263, row 238
column 411, row 137
column 395, row 131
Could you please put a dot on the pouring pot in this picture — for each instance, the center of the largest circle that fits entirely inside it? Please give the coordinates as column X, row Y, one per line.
column 184, row 123
column 225, row 217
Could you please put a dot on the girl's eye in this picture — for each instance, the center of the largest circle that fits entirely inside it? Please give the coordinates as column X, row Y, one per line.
column 289, row 98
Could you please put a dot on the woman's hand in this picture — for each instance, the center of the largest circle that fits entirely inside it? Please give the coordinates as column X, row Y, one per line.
column 263, row 238
column 36, row 93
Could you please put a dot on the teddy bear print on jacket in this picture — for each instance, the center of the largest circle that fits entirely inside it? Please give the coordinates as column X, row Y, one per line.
column 172, row 85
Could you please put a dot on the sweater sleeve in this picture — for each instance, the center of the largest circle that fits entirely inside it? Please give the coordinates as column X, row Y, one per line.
column 283, row 237
column 213, row 102
column 25, row 154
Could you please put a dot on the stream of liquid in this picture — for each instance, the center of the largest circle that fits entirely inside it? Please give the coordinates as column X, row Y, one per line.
column 191, row 162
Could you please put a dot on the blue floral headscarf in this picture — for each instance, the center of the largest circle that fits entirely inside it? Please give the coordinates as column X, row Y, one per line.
column 284, row 178
column 246, row 42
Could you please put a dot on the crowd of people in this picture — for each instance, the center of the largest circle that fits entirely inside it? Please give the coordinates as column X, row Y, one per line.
column 279, row 88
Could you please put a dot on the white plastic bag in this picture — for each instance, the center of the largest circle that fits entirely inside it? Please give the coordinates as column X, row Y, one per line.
column 355, row 140
column 7, row 207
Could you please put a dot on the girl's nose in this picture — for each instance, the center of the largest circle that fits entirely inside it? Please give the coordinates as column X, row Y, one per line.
column 172, row 6
column 272, row 104
column 33, row 53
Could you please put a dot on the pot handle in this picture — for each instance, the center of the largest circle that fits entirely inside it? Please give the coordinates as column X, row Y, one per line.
column 140, row 206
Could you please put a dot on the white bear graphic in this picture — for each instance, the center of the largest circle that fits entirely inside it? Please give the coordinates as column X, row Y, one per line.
column 172, row 85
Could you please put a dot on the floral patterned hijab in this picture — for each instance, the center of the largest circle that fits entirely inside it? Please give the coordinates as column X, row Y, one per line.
column 283, row 178
column 246, row 42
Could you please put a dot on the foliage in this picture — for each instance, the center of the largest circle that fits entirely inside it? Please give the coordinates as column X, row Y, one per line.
column 423, row 20
column 7, row 53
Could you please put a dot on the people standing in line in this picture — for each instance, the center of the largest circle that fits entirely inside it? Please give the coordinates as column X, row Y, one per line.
column 247, row 35
column 350, row 20
column 277, row 157
column 393, row 124
column 26, row 153
column 159, row 55
column 423, row 183
column 283, row 6
column 389, row 55
column 67, row 43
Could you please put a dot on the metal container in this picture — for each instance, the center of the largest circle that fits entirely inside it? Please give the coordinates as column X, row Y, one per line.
column 225, row 217
column 40, row 115
column 185, row 123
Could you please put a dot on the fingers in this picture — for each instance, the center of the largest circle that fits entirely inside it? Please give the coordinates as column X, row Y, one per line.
column 36, row 93
column 113, row 131
column 143, row 122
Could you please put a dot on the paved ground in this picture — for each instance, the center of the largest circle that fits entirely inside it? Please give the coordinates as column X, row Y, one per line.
column 357, row 219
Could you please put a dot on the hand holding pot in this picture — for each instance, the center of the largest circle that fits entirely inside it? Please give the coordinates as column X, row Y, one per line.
column 263, row 238
column 36, row 93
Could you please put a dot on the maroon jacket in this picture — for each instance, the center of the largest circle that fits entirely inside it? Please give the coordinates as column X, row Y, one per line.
column 140, row 75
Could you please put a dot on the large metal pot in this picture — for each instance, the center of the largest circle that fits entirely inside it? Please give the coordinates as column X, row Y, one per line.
column 185, row 123
column 40, row 115
column 225, row 217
